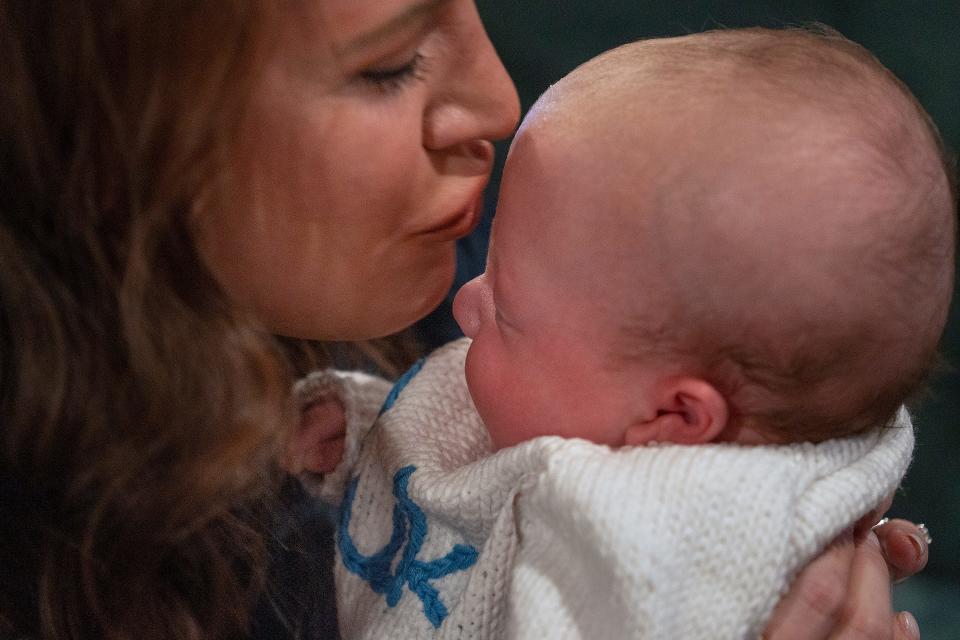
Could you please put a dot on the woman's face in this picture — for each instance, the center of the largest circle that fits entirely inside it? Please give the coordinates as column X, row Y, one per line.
column 362, row 157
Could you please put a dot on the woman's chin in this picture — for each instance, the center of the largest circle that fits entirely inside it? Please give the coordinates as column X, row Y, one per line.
column 416, row 313
column 386, row 307
column 406, row 311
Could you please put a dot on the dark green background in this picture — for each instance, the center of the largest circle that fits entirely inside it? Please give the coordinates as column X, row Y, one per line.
column 919, row 40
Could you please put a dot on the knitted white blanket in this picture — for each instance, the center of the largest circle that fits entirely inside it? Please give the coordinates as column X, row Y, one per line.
column 563, row 538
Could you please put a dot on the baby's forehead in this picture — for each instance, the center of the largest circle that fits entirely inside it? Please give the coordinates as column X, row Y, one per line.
column 683, row 103
column 697, row 126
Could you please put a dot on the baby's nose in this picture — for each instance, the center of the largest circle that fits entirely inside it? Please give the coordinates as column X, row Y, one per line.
column 466, row 311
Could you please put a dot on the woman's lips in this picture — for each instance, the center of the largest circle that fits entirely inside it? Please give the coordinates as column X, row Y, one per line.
column 463, row 221
column 478, row 156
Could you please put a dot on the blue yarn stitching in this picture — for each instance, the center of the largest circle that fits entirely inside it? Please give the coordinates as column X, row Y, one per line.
column 417, row 531
column 410, row 526
column 399, row 385
column 374, row 569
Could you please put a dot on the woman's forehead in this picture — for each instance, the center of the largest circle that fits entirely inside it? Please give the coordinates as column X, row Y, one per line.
column 356, row 24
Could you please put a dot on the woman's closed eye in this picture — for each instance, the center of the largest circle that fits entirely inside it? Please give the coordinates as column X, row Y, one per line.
column 393, row 79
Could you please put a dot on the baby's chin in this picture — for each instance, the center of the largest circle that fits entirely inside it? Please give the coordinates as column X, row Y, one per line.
column 499, row 437
column 491, row 427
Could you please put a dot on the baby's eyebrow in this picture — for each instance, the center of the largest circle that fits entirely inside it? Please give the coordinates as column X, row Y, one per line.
column 399, row 22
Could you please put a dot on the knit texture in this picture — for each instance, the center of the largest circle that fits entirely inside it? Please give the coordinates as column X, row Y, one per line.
column 559, row 538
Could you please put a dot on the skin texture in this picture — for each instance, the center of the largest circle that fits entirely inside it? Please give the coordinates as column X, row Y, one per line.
column 532, row 312
column 621, row 209
column 540, row 316
column 362, row 158
column 545, row 315
column 340, row 185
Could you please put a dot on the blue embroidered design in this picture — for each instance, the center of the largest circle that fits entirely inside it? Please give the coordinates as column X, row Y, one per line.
column 399, row 385
column 410, row 529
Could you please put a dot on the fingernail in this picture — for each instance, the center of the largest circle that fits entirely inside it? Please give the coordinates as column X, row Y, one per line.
column 918, row 545
column 908, row 624
column 872, row 539
column 925, row 533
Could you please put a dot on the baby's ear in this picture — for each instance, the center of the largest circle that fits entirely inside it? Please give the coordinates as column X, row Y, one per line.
column 688, row 411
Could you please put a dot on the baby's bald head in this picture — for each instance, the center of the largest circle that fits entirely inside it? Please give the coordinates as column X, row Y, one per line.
column 788, row 202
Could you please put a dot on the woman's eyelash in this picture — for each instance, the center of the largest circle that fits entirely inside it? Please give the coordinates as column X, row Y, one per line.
column 389, row 80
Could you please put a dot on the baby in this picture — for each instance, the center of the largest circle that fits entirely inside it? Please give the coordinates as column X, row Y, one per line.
column 733, row 238
column 736, row 236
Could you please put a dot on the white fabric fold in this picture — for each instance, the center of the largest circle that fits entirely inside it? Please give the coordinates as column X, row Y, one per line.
column 574, row 540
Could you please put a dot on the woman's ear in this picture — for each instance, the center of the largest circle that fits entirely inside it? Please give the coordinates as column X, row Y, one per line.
column 688, row 411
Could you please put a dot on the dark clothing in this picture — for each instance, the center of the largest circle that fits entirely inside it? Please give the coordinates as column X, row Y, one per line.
column 300, row 603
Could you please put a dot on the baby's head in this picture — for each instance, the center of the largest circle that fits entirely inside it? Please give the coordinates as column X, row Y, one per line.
column 733, row 236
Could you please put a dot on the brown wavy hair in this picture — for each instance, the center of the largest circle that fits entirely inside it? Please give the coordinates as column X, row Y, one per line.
column 140, row 415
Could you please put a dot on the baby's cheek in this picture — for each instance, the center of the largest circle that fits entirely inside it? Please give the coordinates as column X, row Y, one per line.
column 473, row 373
column 483, row 381
column 502, row 415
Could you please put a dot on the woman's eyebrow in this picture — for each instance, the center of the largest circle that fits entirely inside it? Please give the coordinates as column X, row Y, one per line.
column 397, row 23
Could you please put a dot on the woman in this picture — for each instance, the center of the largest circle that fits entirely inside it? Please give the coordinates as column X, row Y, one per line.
column 178, row 180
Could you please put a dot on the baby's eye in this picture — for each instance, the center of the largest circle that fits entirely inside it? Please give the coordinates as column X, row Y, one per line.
column 502, row 322
column 393, row 79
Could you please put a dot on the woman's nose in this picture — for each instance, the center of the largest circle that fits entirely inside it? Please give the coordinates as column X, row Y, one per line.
column 480, row 101
column 466, row 308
